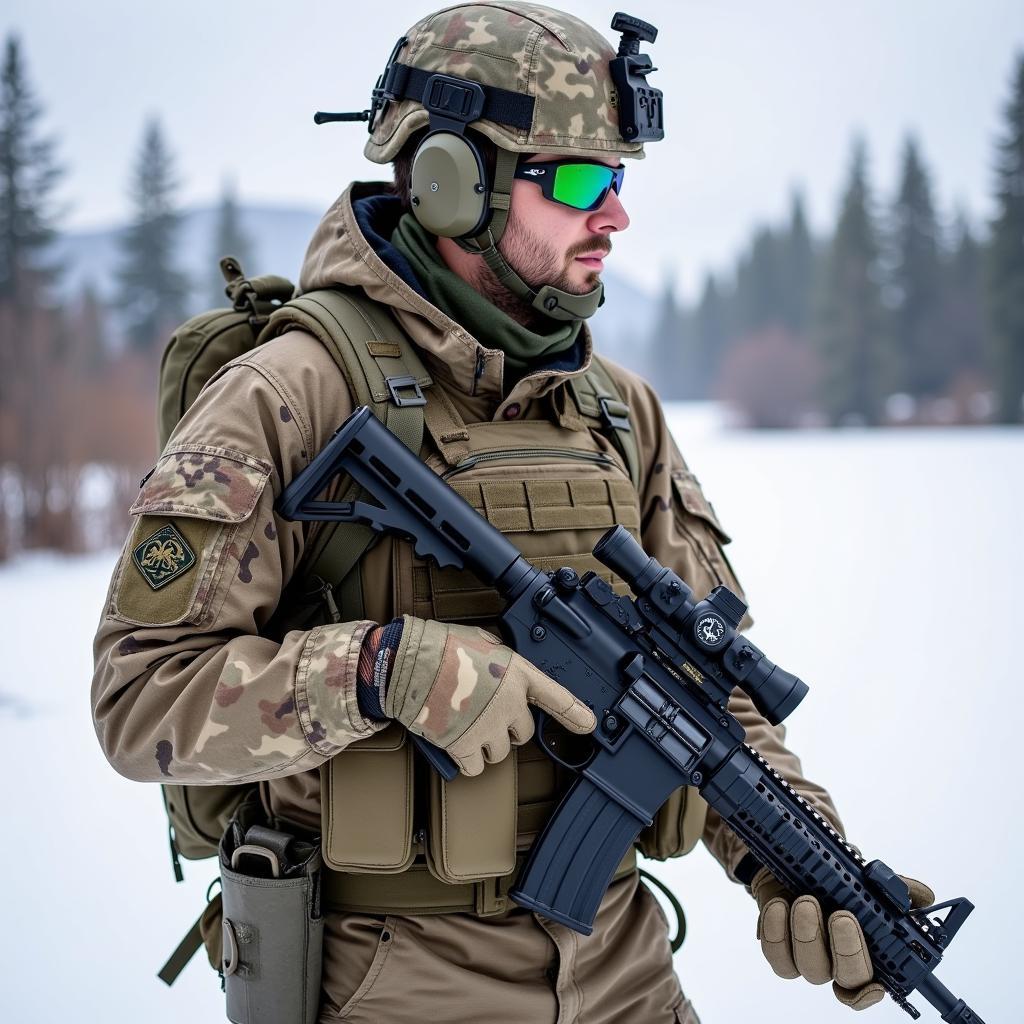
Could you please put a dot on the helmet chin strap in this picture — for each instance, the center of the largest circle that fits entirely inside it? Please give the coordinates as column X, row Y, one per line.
column 547, row 299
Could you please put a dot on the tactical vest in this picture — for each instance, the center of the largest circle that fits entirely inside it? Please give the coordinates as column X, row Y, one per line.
column 396, row 837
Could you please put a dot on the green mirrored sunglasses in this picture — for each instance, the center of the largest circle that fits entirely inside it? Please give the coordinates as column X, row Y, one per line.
column 577, row 183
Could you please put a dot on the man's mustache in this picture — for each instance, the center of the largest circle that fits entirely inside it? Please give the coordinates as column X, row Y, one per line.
column 602, row 245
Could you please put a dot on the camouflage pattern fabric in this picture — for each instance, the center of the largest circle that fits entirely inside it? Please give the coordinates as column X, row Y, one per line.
column 554, row 57
column 195, row 580
column 462, row 689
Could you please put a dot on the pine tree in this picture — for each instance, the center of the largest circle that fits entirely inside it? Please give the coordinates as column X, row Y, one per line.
column 32, row 336
column 670, row 351
column 758, row 300
column 798, row 265
column 28, row 174
column 1006, row 262
column 90, row 356
column 963, row 313
column 711, row 336
column 152, row 289
column 915, row 283
column 229, row 239
column 849, row 330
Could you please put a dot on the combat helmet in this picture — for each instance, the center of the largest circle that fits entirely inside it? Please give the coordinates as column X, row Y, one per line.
column 530, row 79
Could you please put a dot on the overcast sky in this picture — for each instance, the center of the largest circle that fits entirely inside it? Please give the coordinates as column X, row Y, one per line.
column 759, row 97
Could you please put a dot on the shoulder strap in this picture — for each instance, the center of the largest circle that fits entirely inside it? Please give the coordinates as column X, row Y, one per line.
column 384, row 372
column 598, row 398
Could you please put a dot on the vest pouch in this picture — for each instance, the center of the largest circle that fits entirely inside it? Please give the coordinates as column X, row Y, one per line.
column 272, row 930
column 472, row 831
column 677, row 826
column 367, row 804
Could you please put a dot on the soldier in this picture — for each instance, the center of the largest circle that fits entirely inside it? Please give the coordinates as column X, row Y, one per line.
column 193, row 684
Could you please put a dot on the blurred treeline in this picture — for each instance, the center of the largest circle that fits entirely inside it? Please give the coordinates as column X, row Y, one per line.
column 78, row 378
column 902, row 315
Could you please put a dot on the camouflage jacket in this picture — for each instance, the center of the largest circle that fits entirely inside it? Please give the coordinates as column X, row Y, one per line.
column 186, row 689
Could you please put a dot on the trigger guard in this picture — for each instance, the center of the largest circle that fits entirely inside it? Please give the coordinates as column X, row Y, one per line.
column 560, row 744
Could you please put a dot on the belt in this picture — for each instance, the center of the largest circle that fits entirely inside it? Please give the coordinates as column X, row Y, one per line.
column 417, row 891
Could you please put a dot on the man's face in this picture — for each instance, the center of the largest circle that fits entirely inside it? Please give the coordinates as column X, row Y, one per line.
column 549, row 243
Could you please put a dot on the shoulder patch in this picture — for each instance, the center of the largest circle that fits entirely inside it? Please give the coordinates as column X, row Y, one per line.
column 163, row 556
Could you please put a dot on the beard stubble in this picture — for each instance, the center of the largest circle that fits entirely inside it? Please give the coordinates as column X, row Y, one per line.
column 538, row 264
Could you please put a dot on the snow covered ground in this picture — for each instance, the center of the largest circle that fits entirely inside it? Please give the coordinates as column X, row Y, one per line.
column 883, row 568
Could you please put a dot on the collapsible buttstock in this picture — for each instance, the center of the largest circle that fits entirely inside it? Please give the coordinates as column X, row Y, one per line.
column 573, row 861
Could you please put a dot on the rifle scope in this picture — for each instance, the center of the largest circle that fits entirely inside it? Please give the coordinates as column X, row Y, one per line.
column 711, row 624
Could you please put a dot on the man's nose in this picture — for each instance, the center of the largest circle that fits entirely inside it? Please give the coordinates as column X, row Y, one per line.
column 610, row 215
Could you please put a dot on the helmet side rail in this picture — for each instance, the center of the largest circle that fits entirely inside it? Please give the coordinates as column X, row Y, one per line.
column 657, row 669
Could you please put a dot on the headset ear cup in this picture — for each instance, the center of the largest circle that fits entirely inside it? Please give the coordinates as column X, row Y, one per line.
column 449, row 186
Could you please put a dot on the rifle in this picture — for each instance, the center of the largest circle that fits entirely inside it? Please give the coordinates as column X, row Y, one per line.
column 657, row 669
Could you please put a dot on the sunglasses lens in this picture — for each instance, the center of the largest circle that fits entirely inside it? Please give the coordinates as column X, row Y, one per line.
column 582, row 185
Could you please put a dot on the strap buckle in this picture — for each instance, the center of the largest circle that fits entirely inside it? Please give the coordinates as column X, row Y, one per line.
column 614, row 413
column 394, row 383
column 455, row 99
column 490, row 896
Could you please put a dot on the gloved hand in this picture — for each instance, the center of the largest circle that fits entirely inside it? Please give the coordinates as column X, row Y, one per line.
column 796, row 943
column 464, row 691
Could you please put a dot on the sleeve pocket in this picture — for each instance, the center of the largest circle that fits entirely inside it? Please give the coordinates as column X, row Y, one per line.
column 194, row 514
column 691, row 497
column 697, row 520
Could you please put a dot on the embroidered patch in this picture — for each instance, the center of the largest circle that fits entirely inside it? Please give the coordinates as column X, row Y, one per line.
column 163, row 557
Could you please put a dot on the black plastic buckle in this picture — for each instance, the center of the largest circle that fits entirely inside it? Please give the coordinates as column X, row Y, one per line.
column 614, row 413
column 453, row 99
column 394, row 383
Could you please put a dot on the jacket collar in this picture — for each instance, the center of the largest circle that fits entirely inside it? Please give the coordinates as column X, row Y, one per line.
column 351, row 247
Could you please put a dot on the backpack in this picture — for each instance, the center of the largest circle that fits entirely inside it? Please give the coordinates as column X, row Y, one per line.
column 383, row 371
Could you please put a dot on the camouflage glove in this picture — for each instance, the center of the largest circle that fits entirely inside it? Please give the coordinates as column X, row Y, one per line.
column 794, row 940
column 464, row 691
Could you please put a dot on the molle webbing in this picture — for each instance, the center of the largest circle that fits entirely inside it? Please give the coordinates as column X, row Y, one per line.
column 527, row 506
column 417, row 891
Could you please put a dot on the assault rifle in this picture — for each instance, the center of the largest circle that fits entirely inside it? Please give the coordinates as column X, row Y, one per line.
column 657, row 670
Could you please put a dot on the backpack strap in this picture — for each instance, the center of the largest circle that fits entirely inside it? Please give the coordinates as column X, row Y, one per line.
column 384, row 372
column 598, row 398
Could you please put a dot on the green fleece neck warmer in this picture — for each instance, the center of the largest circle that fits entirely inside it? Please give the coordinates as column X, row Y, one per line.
column 466, row 306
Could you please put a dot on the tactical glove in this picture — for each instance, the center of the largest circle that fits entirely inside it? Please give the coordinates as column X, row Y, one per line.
column 796, row 943
column 461, row 689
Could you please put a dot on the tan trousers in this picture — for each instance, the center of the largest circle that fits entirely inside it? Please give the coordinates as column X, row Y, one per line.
column 517, row 969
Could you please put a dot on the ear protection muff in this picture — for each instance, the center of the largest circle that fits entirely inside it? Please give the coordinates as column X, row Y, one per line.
column 449, row 186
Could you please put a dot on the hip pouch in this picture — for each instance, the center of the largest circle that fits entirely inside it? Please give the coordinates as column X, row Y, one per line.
column 273, row 925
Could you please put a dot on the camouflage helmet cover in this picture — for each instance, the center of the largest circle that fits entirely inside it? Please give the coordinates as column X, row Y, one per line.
column 554, row 57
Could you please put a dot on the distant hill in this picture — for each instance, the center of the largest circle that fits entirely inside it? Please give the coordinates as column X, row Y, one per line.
column 280, row 236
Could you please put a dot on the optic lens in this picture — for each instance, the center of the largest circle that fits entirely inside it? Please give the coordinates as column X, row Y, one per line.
column 582, row 185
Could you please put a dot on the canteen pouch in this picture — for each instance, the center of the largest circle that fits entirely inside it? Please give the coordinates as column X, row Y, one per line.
column 272, row 921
